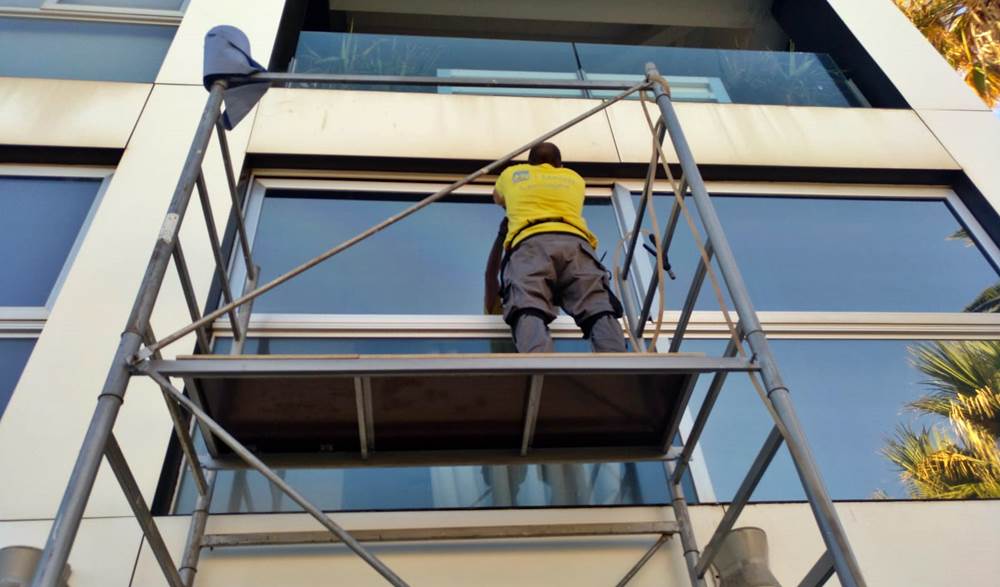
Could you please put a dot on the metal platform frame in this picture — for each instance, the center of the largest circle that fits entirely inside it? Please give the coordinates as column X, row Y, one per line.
column 139, row 354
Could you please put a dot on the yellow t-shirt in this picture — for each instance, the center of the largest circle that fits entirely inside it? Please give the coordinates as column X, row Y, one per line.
column 535, row 192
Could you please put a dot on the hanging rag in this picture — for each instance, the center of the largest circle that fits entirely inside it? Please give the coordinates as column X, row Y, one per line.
column 227, row 54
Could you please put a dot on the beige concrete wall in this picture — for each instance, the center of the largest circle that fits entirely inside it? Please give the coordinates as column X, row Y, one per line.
column 69, row 113
column 391, row 124
column 973, row 140
column 44, row 424
column 898, row 544
column 579, row 561
column 105, row 551
column 746, row 134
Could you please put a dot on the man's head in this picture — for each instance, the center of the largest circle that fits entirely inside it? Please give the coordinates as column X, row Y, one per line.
column 545, row 153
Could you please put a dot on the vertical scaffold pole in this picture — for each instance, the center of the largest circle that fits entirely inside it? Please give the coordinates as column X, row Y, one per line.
column 830, row 527
column 81, row 481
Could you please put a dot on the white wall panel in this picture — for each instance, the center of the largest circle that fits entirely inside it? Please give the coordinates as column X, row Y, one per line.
column 580, row 562
column 258, row 19
column 104, row 554
column 69, row 113
column 898, row 544
column 390, row 124
column 745, row 134
column 42, row 428
column 973, row 139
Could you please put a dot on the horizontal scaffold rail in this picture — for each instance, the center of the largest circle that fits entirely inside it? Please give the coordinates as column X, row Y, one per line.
column 483, row 364
column 442, row 533
column 463, row 81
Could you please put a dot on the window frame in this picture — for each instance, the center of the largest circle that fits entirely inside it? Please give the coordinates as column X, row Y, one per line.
column 704, row 324
column 28, row 321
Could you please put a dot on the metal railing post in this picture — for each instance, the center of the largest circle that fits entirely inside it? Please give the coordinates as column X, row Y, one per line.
column 81, row 481
column 848, row 570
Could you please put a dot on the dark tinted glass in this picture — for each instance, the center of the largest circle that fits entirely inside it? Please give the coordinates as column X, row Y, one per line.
column 720, row 75
column 700, row 75
column 14, row 353
column 72, row 49
column 444, row 57
column 815, row 254
column 40, row 219
column 430, row 263
column 850, row 395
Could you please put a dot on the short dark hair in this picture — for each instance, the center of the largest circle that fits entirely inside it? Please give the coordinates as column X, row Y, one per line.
column 545, row 153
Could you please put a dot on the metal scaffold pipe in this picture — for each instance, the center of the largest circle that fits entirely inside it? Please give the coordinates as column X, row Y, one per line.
column 848, row 570
column 81, row 481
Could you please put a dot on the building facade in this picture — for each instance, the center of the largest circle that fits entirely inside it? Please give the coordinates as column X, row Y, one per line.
column 853, row 170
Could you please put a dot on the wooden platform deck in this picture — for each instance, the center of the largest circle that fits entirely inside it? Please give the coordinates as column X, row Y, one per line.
column 445, row 409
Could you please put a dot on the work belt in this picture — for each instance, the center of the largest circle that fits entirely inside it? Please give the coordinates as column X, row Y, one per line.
column 529, row 224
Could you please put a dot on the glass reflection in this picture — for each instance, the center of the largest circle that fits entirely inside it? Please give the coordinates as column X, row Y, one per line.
column 40, row 219
column 855, row 398
column 430, row 263
column 698, row 75
column 73, row 49
column 838, row 255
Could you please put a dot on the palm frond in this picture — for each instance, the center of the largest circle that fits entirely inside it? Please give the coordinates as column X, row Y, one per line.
column 988, row 301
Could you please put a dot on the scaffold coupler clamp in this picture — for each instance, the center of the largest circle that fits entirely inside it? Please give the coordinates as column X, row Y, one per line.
column 653, row 76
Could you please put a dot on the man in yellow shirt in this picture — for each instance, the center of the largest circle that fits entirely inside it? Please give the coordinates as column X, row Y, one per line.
column 550, row 260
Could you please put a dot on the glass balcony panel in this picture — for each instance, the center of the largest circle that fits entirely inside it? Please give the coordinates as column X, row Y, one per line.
column 721, row 76
column 367, row 54
column 696, row 75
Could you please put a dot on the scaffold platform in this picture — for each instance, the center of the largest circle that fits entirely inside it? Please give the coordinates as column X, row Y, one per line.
column 416, row 409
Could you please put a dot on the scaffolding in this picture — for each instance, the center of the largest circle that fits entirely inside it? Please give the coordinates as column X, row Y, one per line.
column 538, row 408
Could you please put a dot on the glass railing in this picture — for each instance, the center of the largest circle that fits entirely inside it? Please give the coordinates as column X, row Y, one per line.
column 696, row 75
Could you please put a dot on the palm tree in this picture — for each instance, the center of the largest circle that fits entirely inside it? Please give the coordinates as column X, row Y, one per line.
column 988, row 301
column 967, row 34
column 963, row 462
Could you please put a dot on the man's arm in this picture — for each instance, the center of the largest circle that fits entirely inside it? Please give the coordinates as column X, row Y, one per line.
column 498, row 199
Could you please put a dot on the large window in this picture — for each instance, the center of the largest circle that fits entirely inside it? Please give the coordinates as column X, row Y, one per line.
column 66, row 49
column 43, row 216
column 904, row 251
column 852, row 282
column 430, row 264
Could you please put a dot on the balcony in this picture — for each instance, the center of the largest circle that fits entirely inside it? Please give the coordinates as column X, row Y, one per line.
column 785, row 78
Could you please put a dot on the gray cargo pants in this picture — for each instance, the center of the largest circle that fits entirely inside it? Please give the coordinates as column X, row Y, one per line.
column 551, row 270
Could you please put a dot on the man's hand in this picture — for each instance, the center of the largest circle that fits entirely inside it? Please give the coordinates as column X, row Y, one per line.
column 498, row 199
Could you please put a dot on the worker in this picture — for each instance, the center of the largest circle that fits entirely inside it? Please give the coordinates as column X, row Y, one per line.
column 550, row 260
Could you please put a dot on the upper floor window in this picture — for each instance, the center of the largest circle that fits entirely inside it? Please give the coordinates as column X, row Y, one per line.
column 41, row 224
column 43, row 217
column 708, row 55
column 82, row 50
column 135, row 7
